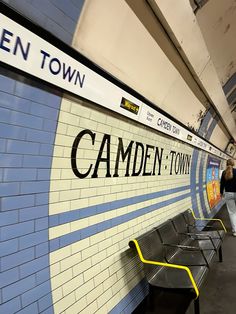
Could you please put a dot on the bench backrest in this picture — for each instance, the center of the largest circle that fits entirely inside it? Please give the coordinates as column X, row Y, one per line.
column 188, row 216
column 180, row 224
column 168, row 235
column 151, row 249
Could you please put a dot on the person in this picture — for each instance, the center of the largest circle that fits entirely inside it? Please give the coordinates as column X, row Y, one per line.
column 228, row 188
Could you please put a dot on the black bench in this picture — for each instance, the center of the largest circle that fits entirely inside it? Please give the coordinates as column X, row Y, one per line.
column 178, row 260
column 188, row 228
column 171, row 240
column 215, row 229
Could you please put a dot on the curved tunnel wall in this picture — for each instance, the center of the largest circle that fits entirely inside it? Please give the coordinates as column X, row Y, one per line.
column 64, row 239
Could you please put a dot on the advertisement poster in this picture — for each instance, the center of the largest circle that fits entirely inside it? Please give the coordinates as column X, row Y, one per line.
column 213, row 181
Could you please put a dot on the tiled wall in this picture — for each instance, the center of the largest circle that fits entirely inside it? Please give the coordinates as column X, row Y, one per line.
column 63, row 239
column 28, row 120
column 58, row 17
column 92, row 219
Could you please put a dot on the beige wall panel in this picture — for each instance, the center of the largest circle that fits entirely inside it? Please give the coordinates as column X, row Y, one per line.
column 219, row 138
column 188, row 37
column 186, row 108
column 110, row 34
column 215, row 91
column 179, row 17
column 217, row 19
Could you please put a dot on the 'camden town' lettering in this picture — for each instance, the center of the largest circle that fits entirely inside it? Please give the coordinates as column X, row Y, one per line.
column 14, row 44
column 180, row 163
column 57, row 67
column 140, row 159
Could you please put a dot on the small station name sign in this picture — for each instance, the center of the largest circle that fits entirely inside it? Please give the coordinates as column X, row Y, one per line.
column 22, row 49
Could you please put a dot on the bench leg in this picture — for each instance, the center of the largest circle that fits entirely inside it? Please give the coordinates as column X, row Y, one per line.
column 196, row 306
column 220, row 255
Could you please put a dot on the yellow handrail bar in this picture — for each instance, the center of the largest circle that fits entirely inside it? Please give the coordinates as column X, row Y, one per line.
column 214, row 219
column 167, row 265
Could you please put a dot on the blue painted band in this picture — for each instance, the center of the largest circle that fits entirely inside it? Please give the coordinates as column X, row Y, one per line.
column 66, row 217
column 84, row 233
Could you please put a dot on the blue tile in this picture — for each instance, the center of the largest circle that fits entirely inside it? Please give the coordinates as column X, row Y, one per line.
column 5, row 115
column 18, row 288
column 44, row 111
column 31, row 309
column 43, row 275
column 42, row 249
column 26, row 120
column 40, row 136
column 36, row 162
column 49, row 125
column 54, row 245
column 16, row 230
column 41, row 199
column 53, row 220
column 77, row 3
column 33, row 266
column 50, row 310
column 46, row 149
column 56, row 16
column 22, row 147
column 33, row 239
column 45, row 303
column 37, row 95
column 8, row 247
column 7, row 84
column 11, row 131
column 14, row 103
column 17, row 259
column 229, row 84
column 53, row 101
column 58, row 31
column 68, row 8
column 7, row 189
column 20, row 174
column 11, row 160
column 35, row 293
column 33, row 213
column 34, row 187
column 43, row 174
column 17, row 202
column 30, row 93
column 8, row 277
column 8, row 218
column 11, row 307
column 41, row 224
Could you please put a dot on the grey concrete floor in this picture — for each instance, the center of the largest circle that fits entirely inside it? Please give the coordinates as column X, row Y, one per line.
column 217, row 295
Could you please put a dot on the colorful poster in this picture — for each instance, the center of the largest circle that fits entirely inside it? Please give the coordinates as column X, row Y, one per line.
column 213, row 181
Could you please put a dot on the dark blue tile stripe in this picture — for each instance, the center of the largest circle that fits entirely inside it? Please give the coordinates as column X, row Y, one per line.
column 84, row 233
column 193, row 183
column 230, row 84
column 203, row 128
column 231, row 97
column 132, row 299
column 212, row 127
column 201, row 190
column 58, row 219
column 20, row 218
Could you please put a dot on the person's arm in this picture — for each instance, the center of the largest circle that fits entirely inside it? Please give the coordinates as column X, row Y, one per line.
column 222, row 183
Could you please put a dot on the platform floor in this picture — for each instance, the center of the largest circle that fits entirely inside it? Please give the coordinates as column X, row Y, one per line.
column 217, row 296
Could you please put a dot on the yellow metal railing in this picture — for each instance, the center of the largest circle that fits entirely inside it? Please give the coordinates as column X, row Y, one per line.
column 210, row 219
column 167, row 265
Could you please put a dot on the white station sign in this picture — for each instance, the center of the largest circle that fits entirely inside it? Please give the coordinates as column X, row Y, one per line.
column 24, row 50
